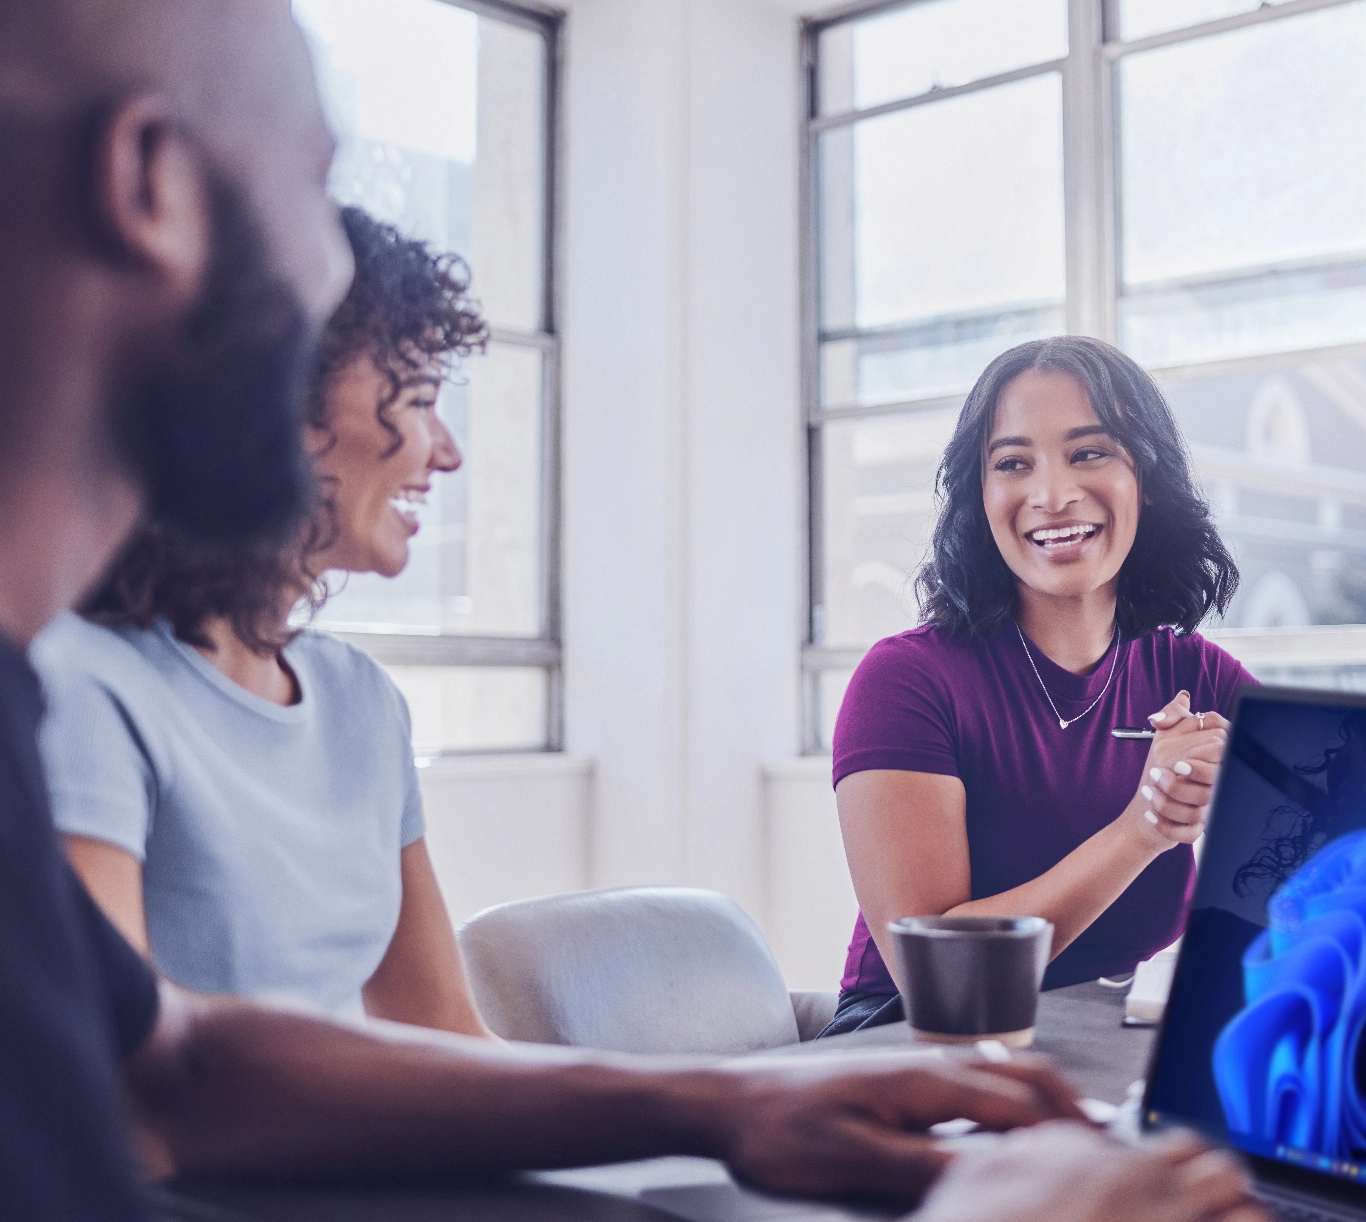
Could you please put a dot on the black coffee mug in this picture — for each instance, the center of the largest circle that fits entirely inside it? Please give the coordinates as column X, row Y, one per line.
column 972, row 978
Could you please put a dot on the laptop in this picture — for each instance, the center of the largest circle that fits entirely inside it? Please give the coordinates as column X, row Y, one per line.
column 1263, row 1044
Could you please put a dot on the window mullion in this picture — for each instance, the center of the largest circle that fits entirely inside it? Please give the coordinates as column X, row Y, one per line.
column 1088, row 175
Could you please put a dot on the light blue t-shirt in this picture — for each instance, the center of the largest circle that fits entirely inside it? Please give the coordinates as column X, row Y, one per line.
column 269, row 836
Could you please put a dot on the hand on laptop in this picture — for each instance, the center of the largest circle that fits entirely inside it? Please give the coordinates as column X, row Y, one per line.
column 856, row 1127
column 1179, row 774
column 1066, row 1173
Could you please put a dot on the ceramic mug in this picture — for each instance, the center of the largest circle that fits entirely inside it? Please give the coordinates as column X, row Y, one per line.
column 969, row 978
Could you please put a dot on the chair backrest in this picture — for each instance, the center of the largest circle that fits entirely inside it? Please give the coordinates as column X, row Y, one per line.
column 634, row 969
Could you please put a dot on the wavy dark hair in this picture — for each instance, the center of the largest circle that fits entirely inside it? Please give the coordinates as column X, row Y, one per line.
column 407, row 307
column 1178, row 569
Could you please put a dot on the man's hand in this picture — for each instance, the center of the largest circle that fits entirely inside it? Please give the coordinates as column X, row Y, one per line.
column 802, row 1129
column 1065, row 1173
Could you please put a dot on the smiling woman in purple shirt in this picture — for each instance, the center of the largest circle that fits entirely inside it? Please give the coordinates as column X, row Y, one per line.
column 974, row 764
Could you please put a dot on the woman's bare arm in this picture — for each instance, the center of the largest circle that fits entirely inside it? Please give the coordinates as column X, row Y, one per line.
column 905, row 835
column 113, row 876
column 421, row 979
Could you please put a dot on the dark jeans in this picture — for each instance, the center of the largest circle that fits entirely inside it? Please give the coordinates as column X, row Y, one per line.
column 856, row 1010
column 859, row 1010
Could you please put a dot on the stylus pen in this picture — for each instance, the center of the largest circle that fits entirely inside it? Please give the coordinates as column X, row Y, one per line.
column 1132, row 732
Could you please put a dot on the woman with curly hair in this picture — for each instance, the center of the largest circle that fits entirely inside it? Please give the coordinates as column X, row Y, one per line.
column 974, row 766
column 238, row 795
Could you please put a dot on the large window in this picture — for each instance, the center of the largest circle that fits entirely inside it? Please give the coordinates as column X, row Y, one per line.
column 1185, row 178
column 445, row 117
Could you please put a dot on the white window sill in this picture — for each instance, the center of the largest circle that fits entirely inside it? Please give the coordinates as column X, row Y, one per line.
column 798, row 768
column 510, row 764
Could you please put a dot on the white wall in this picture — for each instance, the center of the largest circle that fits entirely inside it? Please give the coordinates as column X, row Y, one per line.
column 745, row 442
column 683, row 479
column 507, row 827
column 811, row 904
column 624, row 371
column 682, row 445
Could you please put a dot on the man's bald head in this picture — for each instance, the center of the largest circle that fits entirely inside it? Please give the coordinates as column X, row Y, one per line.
column 234, row 74
column 164, row 226
column 58, row 55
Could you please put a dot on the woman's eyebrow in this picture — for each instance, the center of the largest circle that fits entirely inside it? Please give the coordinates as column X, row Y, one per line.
column 1086, row 430
column 423, row 379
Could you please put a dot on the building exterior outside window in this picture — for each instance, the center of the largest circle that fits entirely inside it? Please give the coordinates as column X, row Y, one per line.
column 445, row 115
column 1185, row 178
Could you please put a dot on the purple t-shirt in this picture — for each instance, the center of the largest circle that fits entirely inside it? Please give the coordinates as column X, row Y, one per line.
column 972, row 707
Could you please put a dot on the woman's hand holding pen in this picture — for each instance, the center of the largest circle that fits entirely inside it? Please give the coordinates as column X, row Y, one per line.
column 1173, row 797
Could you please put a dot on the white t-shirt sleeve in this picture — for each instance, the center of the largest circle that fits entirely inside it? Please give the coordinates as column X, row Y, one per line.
column 414, row 823
column 101, row 780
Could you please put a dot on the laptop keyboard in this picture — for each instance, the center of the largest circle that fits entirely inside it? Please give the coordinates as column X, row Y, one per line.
column 1295, row 1211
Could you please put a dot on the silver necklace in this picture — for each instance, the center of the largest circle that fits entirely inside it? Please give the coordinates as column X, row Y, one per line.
column 1064, row 722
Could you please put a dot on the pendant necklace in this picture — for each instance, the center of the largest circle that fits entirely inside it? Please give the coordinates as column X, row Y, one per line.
column 1064, row 722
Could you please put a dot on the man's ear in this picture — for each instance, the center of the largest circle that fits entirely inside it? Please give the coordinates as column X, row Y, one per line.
column 149, row 193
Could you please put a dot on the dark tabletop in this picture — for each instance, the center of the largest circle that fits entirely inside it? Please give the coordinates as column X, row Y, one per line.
column 1080, row 1027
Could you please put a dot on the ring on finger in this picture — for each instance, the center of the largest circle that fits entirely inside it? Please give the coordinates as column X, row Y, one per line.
column 1200, row 718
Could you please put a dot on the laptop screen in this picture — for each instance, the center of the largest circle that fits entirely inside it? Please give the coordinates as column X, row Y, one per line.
column 1262, row 1045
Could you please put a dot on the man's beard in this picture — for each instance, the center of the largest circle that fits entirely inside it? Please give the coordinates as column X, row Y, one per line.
column 213, row 431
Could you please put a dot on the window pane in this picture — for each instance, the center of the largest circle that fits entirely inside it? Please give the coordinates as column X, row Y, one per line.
column 1282, row 458
column 830, row 688
column 1345, row 677
column 927, row 360
column 1229, row 223
column 1139, row 18
column 439, row 116
column 935, row 44
column 947, row 209
column 1277, row 311
column 878, row 509
column 1273, row 171
column 508, row 246
column 474, row 567
column 473, row 708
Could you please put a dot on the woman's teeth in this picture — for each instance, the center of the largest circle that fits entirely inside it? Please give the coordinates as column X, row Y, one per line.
column 1062, row 534
column 408, row 501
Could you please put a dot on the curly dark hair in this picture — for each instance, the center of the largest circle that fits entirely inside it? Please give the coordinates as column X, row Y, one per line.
column 407, row 307
column 1178, row 569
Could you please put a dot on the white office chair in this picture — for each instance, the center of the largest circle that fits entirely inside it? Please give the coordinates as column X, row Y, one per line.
column 635, row 969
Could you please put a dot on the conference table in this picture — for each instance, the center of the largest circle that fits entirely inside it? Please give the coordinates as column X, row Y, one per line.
column 1080, row 1027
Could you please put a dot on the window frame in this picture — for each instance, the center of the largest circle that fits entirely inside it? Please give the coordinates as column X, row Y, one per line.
column 545, row 650
column 1091, row 221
